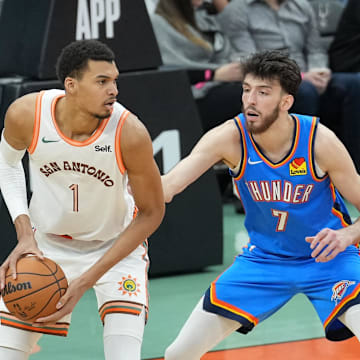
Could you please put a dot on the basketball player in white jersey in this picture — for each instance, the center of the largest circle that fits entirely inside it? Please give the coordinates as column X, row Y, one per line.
column 85, row 151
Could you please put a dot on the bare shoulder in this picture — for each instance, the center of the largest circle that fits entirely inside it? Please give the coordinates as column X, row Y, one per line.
column 227, row 132
column 134, row 133
column 22, row 108
column 19, row 121
column 328, row 149
column 325, row 139
column 232, row 149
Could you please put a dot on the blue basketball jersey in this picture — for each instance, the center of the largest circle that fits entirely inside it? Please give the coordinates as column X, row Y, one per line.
column 286, row 201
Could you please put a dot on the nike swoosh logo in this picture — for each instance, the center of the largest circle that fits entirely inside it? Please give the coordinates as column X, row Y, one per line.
column 254, row 162
column 48, row 141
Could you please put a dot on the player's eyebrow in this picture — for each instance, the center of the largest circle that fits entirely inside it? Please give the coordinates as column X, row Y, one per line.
column 103, row 76
column 258, row 86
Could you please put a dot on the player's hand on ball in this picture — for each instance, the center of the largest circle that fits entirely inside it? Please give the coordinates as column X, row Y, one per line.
column 26, row 245
column 66, row 303
column 328, row 243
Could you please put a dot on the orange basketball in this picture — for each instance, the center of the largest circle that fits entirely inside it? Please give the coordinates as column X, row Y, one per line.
column 38, row 287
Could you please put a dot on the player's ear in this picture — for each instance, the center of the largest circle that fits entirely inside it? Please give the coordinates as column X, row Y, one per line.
column 287, row 102
column 70, row 84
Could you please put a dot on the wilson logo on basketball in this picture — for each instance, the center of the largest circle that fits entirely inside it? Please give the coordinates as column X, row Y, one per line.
column 339, row 289
column 10, row 288
column 298, row 167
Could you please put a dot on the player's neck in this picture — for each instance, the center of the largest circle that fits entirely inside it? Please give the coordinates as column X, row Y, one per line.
column 73, row 123
column 277, row 140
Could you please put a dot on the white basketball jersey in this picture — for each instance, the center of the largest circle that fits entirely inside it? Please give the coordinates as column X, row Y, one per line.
column 79, row 188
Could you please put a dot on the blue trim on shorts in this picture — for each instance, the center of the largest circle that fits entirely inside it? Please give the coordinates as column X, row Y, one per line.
column 246, row 325
column 336, row 330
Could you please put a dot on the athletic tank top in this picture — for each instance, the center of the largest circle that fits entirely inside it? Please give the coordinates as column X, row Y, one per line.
column 286, row 201
column 79, row 188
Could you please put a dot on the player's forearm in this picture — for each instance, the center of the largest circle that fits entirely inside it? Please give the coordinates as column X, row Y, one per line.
column 181, row 176
column 23, row 227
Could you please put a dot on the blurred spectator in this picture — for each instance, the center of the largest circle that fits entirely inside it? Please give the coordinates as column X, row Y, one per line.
column 344, row 51
column 192, row 40
column 290, row 25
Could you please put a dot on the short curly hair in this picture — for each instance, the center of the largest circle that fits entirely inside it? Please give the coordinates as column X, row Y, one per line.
column 74, row 57
column 274, row 64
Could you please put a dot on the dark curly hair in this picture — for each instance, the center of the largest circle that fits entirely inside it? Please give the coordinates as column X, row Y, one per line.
column 74, row 57
column 274, row 65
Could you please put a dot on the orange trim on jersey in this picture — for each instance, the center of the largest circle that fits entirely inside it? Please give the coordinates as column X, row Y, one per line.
column 244, row 155
column 72, row 142
column 339, row 214
column 136, row 210
column 339, row 306
column 332, row 189
column 119, row 160
column 336, row 212
column 36, row 130
column 214, row 300
column 292, row 152
column 237, row 190
column 311, row 154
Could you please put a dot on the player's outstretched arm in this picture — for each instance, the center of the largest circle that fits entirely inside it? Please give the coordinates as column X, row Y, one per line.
column 333, row 158
column 17, row 136
column 219, row 144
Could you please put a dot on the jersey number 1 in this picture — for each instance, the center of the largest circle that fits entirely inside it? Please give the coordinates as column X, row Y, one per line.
column 282, row 219
column 75, row 189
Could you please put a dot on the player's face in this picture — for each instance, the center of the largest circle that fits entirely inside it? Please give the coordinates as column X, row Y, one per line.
column 261, row 103
column 97, row 88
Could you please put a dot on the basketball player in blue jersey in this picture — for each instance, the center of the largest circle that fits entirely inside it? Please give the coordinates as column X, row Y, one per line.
column 289, row 172
column 85, row 152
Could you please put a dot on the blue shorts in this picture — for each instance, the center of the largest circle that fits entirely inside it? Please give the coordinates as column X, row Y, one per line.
column 256, row 285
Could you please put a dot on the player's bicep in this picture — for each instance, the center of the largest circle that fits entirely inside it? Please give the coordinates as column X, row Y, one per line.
column 143, row 173
column 333, row 158
column 221, row 143
column 19, row 122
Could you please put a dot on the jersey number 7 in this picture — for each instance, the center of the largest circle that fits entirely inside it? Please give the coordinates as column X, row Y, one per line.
column 282, row 219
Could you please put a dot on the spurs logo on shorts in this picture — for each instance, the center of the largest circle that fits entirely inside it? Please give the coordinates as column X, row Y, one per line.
column 129, row 286
column 339, row 289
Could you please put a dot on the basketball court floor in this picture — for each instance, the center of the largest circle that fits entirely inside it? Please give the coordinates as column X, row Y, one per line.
column 293, row 333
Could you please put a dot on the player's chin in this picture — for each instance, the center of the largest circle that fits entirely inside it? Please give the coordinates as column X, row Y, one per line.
column 103, row 115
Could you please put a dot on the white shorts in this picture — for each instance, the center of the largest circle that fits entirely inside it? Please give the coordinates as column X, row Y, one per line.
column 123, row 289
